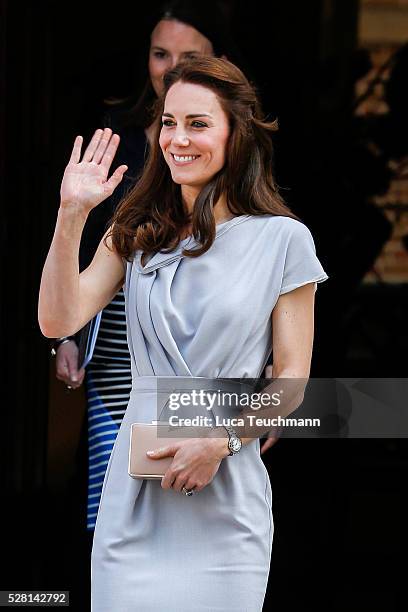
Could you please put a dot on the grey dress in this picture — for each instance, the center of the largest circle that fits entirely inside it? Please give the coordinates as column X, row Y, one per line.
column 197, row 319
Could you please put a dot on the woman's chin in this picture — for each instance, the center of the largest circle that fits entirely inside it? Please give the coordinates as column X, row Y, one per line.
column 187, row 181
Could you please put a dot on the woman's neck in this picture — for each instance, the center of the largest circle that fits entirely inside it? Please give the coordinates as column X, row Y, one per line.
column 221, row 210
column 221, row 214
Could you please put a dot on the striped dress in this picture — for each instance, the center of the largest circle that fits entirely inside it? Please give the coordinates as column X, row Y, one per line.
column 108, row 384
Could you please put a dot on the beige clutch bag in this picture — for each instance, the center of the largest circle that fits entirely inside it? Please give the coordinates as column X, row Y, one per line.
column 148, row 436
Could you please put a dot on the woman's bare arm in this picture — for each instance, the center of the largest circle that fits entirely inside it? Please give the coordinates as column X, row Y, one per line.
column 69, row 299
column 293, row 332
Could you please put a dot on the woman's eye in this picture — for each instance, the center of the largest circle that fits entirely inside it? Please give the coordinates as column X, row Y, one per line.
column 195, row 124
column 159, row 54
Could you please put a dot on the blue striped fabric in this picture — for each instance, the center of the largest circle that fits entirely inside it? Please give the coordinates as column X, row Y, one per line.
column 108, row 384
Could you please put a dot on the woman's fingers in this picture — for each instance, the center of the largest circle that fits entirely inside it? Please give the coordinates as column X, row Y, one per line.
column 76, row 150
column 102, row 145
column 110, row 152
column 101, row 150
column 268, row 444
column 115, row 179
column 93, row 145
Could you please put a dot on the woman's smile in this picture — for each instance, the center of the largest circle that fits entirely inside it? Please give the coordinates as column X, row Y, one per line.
column 183, row 160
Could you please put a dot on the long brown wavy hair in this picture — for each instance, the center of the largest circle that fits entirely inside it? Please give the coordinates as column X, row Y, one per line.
column 152, row 216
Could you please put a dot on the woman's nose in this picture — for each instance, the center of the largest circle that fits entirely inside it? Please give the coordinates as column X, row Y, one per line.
column 180, row 138
column 166, row 67
column 171, row 62
column 174, row 60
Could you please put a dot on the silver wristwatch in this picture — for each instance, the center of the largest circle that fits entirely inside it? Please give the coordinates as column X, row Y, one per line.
column 234, row 442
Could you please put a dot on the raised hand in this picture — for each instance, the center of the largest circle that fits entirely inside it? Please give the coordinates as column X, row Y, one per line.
column 85, row 182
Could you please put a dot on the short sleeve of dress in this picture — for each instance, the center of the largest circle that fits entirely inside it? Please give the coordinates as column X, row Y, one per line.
column 301, row 263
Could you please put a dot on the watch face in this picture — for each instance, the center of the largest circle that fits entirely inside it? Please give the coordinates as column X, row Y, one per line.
column 235, row 444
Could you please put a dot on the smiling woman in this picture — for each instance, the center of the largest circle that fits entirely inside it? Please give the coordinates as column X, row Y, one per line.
column 178, row 30
column 208, row 131
column 194, row 150
column 200, row 539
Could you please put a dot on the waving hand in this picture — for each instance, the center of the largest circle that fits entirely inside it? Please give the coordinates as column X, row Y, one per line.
column 85, row 182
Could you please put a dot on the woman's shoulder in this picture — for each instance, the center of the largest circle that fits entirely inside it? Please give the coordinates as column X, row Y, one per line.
column 278, row 225
column 287, row 244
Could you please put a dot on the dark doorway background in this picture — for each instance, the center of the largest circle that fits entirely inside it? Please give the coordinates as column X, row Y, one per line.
column 338, row 504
